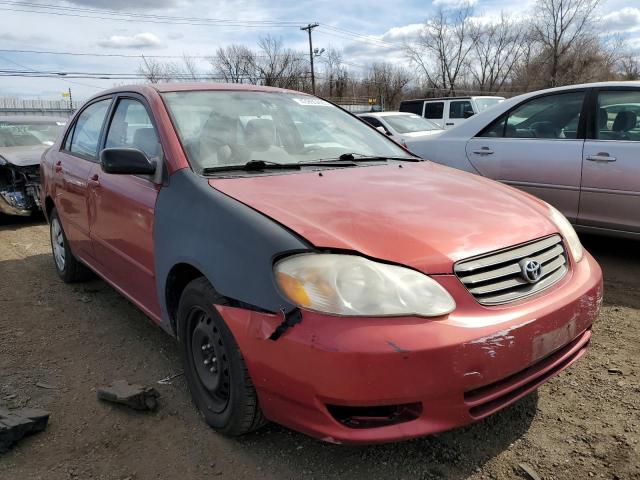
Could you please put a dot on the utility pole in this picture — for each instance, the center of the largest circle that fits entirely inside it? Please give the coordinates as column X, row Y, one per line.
column 308, row 28
column 70, row 101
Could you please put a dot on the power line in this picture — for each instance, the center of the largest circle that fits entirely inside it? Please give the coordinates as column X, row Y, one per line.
column 133, row 17
column 31, row 69
column 104, row 11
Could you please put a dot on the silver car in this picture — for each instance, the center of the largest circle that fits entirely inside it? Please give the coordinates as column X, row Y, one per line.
column 577, row 147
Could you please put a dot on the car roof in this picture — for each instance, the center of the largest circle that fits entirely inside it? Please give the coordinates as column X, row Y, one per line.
column 385, row 114
column 31, row 119
column 462, row 97
column 146, row 88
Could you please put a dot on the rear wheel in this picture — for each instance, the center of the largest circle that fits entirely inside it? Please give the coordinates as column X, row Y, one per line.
column 69, row 269
column 214, row 368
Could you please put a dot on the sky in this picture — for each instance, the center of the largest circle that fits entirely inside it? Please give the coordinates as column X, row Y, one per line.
column 366, row 30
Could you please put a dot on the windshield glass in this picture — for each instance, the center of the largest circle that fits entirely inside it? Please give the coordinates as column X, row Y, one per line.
column 483, row 103
column 410, row 123
column 228, row 128
column 24, row 134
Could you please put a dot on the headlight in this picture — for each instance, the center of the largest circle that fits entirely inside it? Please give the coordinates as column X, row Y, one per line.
column 355, row 286
column 569, row 234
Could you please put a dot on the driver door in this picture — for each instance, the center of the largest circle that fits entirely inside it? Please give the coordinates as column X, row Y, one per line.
column 123, row 208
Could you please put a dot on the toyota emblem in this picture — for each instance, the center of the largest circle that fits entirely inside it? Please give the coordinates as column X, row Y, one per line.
column 531, row 270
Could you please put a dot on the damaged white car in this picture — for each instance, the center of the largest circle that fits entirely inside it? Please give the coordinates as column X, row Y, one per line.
column 23, row 140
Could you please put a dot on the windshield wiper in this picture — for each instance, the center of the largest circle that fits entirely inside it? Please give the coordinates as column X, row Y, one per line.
column 253, row 166
column 261, row 165
column 361, row 157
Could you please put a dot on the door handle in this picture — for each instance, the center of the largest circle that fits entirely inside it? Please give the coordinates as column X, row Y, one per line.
column 58, row 166
column 483, row 151
column 603, row 157
column 94, row 180
column 450, row 124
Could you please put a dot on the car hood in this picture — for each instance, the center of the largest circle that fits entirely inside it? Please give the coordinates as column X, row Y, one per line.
column 419, row 214
column 23, row 156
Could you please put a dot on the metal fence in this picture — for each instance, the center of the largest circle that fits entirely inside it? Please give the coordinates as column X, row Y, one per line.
column 21, row 106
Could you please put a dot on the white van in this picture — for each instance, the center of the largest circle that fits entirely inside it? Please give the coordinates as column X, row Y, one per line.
column 449, row 111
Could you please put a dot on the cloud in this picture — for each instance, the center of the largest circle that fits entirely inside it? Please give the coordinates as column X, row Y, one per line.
column 624, row 20
column 126, row 4
column 398, row 34
column 454, row 3
column 139, row 40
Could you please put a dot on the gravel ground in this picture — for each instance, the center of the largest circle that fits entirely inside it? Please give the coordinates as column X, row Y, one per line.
column 584, row 423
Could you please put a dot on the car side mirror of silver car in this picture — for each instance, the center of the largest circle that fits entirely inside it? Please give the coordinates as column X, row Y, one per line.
column 126, row 161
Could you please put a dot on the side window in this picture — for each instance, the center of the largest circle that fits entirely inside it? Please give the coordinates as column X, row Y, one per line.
column 131, row 127
column 552, row 116
column 460, row 109
column 86, row 132
column 618, row 115
column 434, row 110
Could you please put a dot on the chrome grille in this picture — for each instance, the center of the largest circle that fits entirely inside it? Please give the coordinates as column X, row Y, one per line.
column 497, row 277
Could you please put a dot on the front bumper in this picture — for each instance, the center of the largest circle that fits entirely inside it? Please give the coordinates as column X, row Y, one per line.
column 458, row 369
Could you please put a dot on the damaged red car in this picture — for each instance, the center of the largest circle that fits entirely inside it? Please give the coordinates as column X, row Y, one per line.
column 314, row 272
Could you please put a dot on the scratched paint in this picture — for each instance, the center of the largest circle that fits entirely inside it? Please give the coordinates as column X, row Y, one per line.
column 501, row 339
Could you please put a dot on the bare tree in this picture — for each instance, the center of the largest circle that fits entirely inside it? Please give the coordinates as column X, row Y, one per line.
column 497, row 50
column 153, row 71
column 629, row 66
column 441, row 49
column 235, row 64
column 185, row 70
column 558, row 25
column 388, row 82
column 279, row 66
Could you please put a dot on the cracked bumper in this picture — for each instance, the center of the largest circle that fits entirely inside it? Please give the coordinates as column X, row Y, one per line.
column 460, row 369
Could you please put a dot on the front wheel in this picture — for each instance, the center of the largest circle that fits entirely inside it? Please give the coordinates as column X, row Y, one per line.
column 214, row 368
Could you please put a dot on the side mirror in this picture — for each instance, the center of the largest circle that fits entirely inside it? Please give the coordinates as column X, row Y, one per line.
column 468, row 113
column 126, row 161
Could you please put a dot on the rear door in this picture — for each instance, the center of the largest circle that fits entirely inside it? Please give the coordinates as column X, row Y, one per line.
column 610, row 194
column 434, row 111
column 537, row 147
column 458, row 111
column 72, row 164
column 124, row 206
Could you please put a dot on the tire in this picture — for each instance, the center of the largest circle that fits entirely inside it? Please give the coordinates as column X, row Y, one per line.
column 215, row 371
column 69, row 268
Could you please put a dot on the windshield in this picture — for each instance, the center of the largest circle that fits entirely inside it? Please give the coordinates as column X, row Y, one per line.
column 487, row 102
column 24, row 134
column 410, row 123
column 230, row 128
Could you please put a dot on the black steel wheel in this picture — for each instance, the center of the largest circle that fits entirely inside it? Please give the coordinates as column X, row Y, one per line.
column 215, row 370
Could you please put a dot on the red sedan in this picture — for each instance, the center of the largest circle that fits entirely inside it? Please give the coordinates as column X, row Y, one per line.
column 314, row 272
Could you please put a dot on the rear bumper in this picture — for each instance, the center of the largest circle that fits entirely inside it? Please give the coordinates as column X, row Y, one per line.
column 451, row 371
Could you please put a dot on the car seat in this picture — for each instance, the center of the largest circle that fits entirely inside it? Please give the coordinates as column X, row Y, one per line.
column 146, row 140
column 624, row 122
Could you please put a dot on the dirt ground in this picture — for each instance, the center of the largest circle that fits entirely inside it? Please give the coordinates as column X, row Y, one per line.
column 584, row 423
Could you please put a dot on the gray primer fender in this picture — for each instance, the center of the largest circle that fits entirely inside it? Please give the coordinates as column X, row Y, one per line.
column 233, row 245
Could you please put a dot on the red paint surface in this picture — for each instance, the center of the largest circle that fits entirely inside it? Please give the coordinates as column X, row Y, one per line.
column 350, row 361
column 423, row 215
